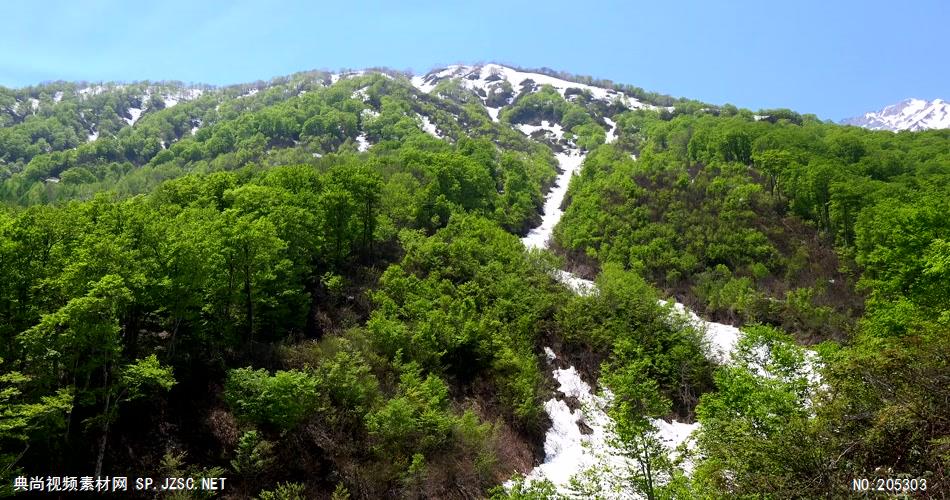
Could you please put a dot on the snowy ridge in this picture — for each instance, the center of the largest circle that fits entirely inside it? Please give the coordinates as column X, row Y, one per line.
column 488, row 79
column 170, row 94
column 335, row 77
column 909, row 114
column 96, row 90
column 169, row 97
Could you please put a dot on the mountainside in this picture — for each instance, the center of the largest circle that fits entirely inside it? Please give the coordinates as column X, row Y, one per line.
column 909, row 114
column 483, row 281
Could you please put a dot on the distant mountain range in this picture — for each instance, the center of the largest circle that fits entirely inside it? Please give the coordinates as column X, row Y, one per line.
column 909, row 114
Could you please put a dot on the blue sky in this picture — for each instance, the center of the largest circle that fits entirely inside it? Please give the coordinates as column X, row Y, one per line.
column 832, row 58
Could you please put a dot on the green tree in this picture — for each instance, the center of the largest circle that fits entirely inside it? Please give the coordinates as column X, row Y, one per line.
column 282, row 400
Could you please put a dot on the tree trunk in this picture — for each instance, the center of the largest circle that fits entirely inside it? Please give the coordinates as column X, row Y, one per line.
column 105, row 425
column 174, row 336
column 643, row 456
column 314, row 287
column 249, row 305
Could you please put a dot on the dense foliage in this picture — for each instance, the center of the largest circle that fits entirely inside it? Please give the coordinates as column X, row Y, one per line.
column 227, row 261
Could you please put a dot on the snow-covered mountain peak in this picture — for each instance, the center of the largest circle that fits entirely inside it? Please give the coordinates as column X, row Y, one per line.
column 910, row 114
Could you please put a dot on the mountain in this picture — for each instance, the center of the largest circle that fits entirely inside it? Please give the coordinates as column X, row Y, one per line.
column 65, row 115
column 314, row 286
column 909, row 114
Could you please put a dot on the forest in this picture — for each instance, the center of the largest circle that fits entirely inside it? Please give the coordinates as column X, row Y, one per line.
column 314, row 286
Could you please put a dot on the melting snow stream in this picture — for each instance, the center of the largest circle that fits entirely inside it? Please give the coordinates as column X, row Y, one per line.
column 569, row 451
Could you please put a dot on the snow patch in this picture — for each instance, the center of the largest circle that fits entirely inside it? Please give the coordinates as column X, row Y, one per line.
column 91, row 91
column 192, row 94
column 758, row 360
column 575, row 283
column 570, row 451
column 549, row 128
column 428, row 82
column 570, row 163
column 672, row 434
column 722, row 338
column 136, row 114
column 360, row 94
column 612, row 133
column 567, row 449
column 420, row 83
column 362, row 143
column 429, row 127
